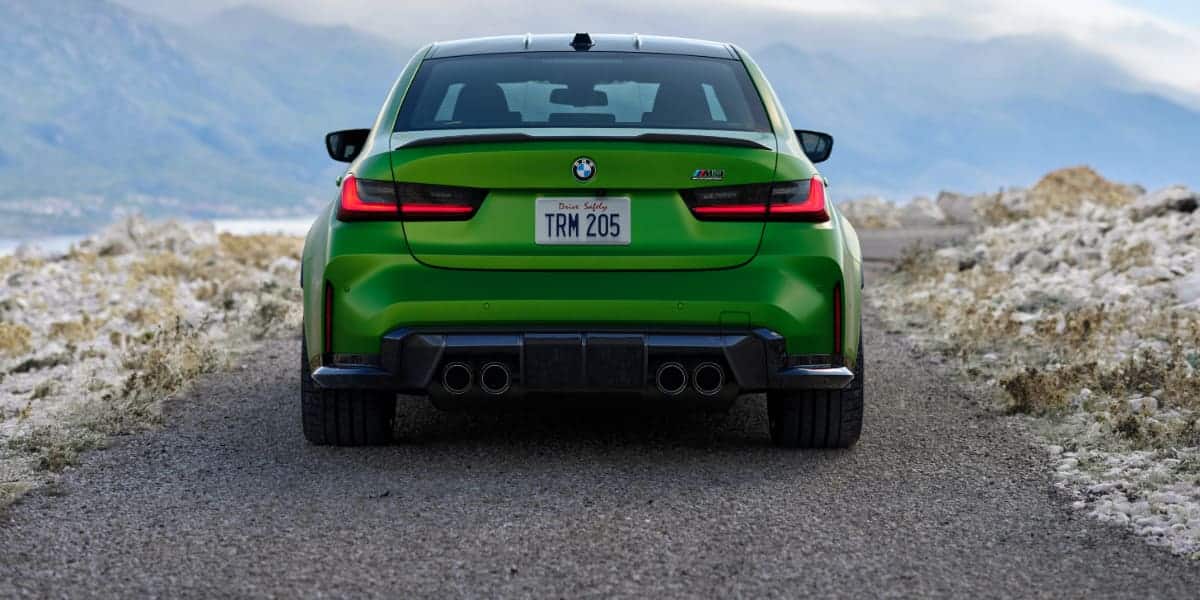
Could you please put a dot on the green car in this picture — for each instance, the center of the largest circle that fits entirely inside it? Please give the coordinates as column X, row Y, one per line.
column 569, row 215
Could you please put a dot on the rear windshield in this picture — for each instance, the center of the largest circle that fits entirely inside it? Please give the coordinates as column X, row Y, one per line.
column 582, row 89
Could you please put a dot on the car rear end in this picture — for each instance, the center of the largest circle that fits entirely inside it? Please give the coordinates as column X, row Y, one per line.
column 620, row 220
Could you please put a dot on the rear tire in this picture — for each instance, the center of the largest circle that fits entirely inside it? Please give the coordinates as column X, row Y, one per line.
column 818, row 418
column 343, row 417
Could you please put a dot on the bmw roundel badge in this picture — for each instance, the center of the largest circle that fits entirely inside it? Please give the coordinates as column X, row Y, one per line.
column 583, row 168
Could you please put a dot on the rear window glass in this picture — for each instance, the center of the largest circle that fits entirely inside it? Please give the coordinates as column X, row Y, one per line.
column 582, row 89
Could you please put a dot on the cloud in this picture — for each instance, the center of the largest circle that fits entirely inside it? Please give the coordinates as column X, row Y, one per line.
column 1150, row 47
column 1153, row 49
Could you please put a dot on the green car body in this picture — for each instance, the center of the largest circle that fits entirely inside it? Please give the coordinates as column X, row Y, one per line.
column 791, row 286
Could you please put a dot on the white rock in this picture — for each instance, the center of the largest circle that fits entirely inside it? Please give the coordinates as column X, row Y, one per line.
column 1156, row 204
column 949, row 259
column 283, row 265
column 957, row 208
column 1144, row 405
column 1187, row 290
column 921, row 212
column 870, row 213
column 1035, row 261
column 1015, row 201
column 28, row 251
column 1150, row 274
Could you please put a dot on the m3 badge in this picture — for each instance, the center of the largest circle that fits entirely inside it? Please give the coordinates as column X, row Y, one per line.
column 708, row 175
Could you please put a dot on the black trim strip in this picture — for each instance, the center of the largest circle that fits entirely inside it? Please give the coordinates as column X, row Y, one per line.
column 688, row 138
column 669, row 138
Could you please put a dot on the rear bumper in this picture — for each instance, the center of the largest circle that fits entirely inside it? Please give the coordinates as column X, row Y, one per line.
column 415, row 361
column 374, row 295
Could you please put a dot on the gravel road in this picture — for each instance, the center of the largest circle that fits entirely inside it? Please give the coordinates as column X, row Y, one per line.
column 939, row 498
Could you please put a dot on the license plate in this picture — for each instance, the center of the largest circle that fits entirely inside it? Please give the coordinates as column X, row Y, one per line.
column 582, row 221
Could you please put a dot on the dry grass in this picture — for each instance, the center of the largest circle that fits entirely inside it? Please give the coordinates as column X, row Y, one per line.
column 11, row 491
column 165, row 265
column 1172, row 377
column 55, row 447
column 1064, row 190
column 993, row 210
column 259, row 251
column 159, row 366
column 14, row 339
column 156, row 305
column 44, row 389
column 915, row 261
column 162, row 365
column 75, row 331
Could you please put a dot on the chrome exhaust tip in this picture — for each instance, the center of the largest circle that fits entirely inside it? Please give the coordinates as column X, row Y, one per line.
column 671, row 378
column 495, row 378
column 457, row 378
column 708, row 378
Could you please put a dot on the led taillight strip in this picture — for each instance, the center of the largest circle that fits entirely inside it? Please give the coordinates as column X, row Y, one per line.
column 435, row 210
column 727, row 210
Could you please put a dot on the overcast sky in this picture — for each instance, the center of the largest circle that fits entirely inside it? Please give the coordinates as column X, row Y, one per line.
column 1156, row 40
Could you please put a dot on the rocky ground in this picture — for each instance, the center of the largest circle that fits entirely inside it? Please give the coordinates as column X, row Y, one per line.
column 93, row 341
column 1078, row 302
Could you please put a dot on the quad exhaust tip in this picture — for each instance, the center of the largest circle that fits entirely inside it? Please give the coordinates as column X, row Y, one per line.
column 495, row 378
column 457, row 378
column 671, row 378
column 708, row 378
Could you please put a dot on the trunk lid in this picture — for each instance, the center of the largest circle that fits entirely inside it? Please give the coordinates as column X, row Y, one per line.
column 662, row 232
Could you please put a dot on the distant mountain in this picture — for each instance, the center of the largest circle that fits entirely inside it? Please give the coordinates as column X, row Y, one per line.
column 111, row 108
column 976, row 116
column 108, row 109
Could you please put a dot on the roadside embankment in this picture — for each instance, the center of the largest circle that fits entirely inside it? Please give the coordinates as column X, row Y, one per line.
column 94, row 340
column 1078, row 301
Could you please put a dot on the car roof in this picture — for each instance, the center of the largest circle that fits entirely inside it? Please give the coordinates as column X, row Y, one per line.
column 601, row 42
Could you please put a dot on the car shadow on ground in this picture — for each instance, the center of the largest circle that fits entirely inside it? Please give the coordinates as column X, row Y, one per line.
column 595, row 420
column 582, row 445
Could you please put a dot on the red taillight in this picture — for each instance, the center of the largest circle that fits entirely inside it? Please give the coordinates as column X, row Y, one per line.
column 328, row 325
column 730, row 210
column 802, row 200
column 799, row 201
column 837, row 319
column 371, row 200
column 434, row 210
